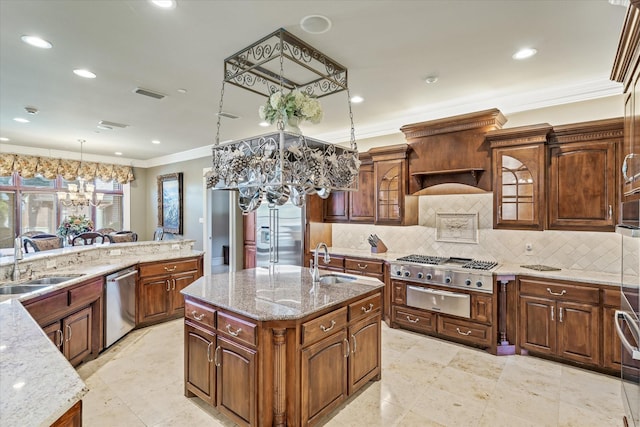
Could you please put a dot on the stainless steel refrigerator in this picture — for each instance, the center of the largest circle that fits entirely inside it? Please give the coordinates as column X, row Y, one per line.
column 627, row 318
column 280, row 234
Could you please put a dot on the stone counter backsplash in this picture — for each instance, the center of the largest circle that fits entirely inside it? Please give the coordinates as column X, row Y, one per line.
column 576, row 250
column 41, row 263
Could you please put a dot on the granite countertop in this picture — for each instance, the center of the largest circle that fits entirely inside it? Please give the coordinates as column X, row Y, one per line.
column 281, row 292
column 37, row 383
column 504, row 269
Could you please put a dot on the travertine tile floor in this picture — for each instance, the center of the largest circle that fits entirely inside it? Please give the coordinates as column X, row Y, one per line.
column 425, row 382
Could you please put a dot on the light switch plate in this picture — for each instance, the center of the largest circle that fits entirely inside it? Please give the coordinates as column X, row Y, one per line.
column 115, row 252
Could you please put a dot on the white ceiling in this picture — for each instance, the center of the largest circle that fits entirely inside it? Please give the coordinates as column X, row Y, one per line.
column 389, row 47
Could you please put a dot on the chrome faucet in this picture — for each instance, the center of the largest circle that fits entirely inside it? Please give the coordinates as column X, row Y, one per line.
column 17, row 256
column 314, row 271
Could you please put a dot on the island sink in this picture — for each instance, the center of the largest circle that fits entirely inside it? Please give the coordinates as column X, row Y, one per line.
column 332, row 279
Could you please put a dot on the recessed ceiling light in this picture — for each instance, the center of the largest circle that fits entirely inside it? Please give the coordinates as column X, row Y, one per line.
column 164, row 4
column 37, row 42
column 155, row 141
column 21, row 120
column 31, row 110
column 315, row 24
column 525, row 53
column 3, row 139
column 84, row 73
column 264, row 124
column 182, row 91
column 431, row 79
column 118, row 153
column 357, row 99
column 104, row 127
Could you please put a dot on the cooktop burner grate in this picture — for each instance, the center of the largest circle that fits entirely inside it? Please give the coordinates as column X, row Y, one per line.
column 480, row 265
column 423, row 259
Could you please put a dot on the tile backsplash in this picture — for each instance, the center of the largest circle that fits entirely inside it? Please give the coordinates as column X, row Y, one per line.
column 576, row 250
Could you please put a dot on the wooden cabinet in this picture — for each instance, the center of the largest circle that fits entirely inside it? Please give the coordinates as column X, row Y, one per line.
column 364, row 267
column 158, row 295
column 626, row 70
column 478, row 330
column 353, row 206
column 72, row 318
column 519, row 176
column 583, row 178
column 221, row 371
column 393, row 205
column 611, row 345
column 249, row 231
column 364, row 360
column 560, row 319
column 71, row 418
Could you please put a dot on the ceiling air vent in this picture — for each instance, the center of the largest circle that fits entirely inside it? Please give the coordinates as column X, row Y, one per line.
column 150, row 93
column 112, row 124
column 227, row 115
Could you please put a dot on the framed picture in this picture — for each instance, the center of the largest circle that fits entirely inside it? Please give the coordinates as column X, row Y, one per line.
column 170, row 203
column 457, row 227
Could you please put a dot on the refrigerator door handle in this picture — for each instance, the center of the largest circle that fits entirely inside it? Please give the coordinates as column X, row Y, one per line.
column 273, row 235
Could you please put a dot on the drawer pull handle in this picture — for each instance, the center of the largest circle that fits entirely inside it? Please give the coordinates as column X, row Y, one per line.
column 169, row 270
column 362, row 267
column 325, row 329
column 195, row 315
column 555, row 293
column 463, row 333
column 367, row 310
column 233, row 334
column 413, row 321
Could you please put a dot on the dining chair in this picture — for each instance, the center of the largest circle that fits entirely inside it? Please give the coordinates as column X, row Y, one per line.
column 122, row 237
column 88, row 238
column 106, row 230
column 41, row 242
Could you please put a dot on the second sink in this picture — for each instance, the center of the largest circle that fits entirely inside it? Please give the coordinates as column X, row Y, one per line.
column 332, row 279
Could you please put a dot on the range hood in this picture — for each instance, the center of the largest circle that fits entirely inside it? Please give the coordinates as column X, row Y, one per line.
column 451, row 156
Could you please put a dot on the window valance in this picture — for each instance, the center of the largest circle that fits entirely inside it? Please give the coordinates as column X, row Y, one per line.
column 70, row 170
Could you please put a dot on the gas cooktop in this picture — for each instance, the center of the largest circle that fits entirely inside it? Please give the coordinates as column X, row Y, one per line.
column 451, row 261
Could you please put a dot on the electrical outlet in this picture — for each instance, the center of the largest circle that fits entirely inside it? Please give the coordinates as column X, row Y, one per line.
column 528, row 249
column 115, row 252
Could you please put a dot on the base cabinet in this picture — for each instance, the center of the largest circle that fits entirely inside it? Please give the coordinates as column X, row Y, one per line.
column 478, row 330
column 71, row 418
column 560, row 319
column 281, row 372
column 158, row 294
column 72, row 319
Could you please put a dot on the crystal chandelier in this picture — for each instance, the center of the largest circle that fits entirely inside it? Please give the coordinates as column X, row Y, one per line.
column 81, row 194
column 284, row 165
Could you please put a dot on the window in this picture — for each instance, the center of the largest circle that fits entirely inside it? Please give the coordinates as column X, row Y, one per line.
column 31, row 204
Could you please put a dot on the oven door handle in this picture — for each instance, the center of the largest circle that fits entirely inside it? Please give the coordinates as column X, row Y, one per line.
column 436, row 292
column 635, row 352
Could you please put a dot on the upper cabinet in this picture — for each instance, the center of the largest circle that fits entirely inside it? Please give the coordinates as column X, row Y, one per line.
column 451, row 155
column 583, row 179
column 353, row 206
column 626, row 70
column 519, row 176
column 390, row 170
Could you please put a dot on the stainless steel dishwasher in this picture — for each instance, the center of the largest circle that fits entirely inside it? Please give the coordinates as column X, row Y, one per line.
column 120, row 306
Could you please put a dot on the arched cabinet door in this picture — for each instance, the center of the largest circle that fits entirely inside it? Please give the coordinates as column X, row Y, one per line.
column 519, row 187
column 389, row 191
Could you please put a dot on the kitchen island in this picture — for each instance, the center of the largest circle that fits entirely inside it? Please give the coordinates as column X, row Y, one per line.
column 267, row 346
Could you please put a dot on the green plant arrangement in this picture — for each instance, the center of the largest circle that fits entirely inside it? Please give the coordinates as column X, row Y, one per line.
column 292, row 107
column 74, row 225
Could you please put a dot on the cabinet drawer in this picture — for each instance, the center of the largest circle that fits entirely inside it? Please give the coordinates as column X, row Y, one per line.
column 335, row 263
column 365, row 307
column 414, row 319
column 199, row 313
column 612, row 297
column 47, row 307
column 465, row 330
column 363, row 265
column 323, row 326
column 169, row 267
column 238, row 329
column 85, row 293
column 559, row 291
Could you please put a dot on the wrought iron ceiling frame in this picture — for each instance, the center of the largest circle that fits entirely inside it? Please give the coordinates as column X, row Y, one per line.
column 245, row 68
